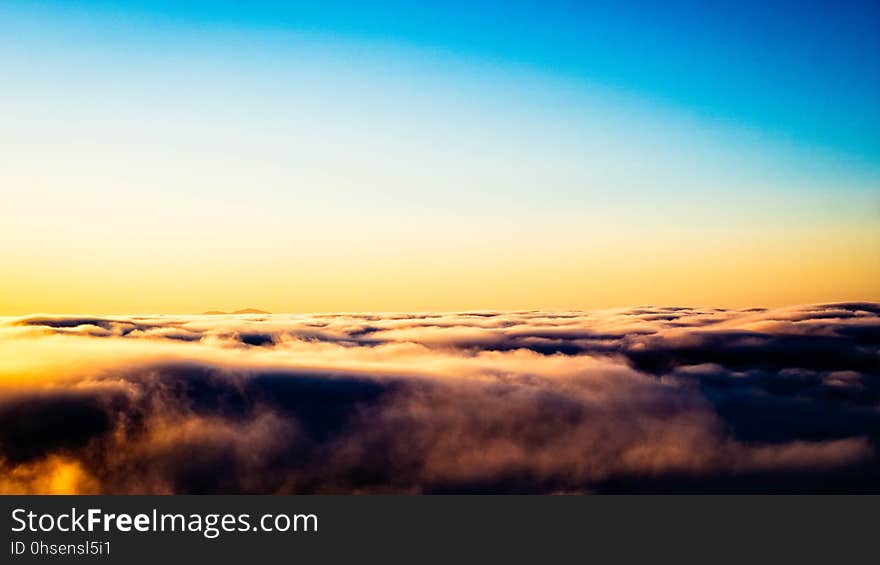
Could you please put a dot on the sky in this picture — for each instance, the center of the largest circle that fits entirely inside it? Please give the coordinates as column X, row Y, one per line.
column 173, row 157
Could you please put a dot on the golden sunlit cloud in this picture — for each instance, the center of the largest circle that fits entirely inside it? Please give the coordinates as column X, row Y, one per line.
column 649, row 399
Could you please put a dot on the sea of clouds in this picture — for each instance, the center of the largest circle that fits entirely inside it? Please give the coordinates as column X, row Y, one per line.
column 651, row 399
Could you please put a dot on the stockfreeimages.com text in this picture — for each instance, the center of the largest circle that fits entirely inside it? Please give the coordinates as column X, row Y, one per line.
column 209, row 525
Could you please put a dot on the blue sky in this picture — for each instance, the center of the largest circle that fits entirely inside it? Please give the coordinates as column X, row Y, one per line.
column 583, row 141
column 806, row 71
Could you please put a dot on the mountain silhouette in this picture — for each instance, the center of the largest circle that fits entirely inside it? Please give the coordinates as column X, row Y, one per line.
column 242, row 311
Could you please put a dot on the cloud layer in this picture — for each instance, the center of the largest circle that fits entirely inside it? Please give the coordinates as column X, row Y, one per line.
column 642, row 400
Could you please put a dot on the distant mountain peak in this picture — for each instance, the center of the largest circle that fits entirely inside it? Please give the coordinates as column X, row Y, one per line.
column 242, row 311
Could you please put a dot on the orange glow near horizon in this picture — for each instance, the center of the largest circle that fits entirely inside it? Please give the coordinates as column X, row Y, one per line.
column 416, row 273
